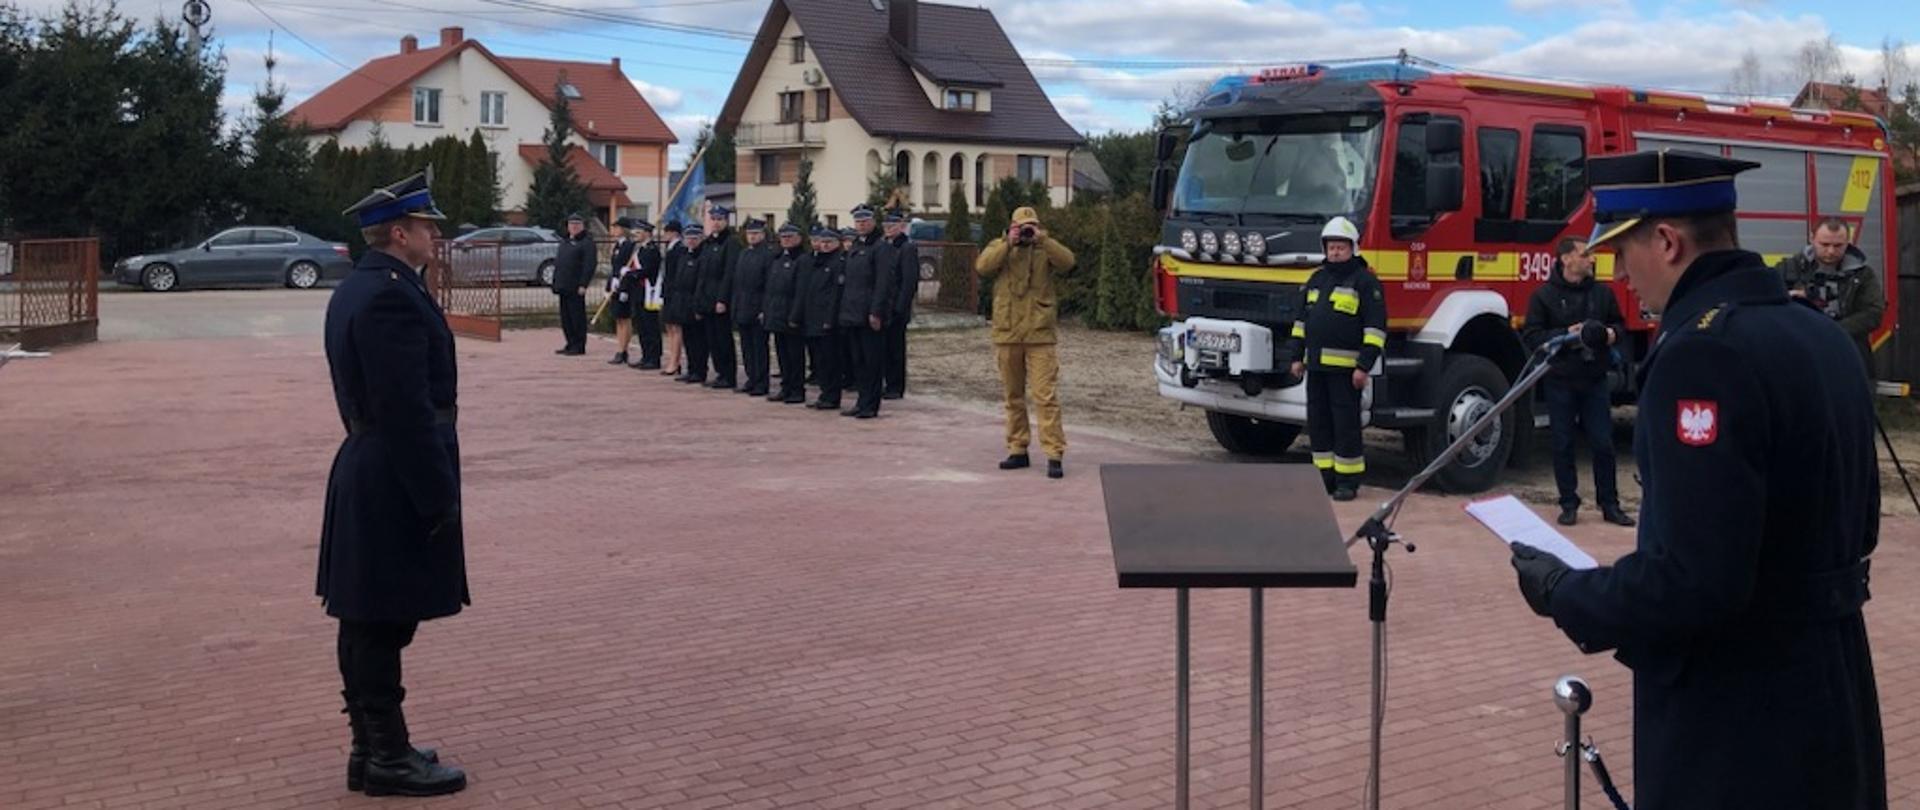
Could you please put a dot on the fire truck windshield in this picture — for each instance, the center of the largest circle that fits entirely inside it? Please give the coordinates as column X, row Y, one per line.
column 1309, row 168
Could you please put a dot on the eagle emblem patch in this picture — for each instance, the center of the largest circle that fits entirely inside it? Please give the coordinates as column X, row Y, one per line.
column 1699, row 422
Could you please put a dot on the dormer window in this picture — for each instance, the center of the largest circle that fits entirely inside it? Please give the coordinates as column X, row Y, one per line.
column 967, row 100
column 569, row 91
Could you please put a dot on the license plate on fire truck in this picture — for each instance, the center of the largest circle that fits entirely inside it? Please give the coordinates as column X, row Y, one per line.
column 1215, row 341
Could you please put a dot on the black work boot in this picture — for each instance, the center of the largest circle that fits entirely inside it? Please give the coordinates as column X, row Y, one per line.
column 619, row 359
column 1054, row 470
column 1017, row 461
column 395, row 769
column 1569, row 515
column 357, row 754
column 1344, row 491
column 1612, row 513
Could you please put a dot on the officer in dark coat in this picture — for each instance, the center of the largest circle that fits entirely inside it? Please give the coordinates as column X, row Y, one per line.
column 717, row 264
column 749, row 303
column 782, row 313
column 685, row 283
column 391, row 553
column 1740, row 611
column 573, row 265
column 646, row 313
column 819, row 311
column 866, row 305
column 903, row 255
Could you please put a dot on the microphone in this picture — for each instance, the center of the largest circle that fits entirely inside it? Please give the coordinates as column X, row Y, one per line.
column 1592, row 337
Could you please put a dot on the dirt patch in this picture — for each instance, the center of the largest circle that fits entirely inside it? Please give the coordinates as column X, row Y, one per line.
column 1107, row 384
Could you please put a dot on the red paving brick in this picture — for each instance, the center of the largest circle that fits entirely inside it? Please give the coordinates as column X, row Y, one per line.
column 686, row 599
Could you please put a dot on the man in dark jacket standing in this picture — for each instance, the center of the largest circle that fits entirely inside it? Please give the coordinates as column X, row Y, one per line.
column 749, row 303
column 865, row 307
column 1831, row 275
column 684, row 286
column 1740, row 610
column 783, row 311
column 903, row 256
column 1579, row 401
column 819, row 310
column 717, row 264
column 1341, row 332
column 391, row 551
column 573, row 265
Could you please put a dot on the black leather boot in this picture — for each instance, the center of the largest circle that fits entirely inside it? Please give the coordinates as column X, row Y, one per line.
column 1016, row 461
column 394, row 768
column 357, row 754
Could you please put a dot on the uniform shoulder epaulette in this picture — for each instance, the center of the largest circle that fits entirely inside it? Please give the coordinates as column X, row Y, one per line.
column 1714, row 320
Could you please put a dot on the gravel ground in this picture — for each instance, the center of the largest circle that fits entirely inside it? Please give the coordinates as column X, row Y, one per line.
column 1106, row 384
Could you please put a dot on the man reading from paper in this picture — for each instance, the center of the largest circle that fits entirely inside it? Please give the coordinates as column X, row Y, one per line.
column 1739, row 611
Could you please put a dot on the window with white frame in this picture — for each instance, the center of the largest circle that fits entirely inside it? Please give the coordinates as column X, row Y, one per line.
column 963, row 100
column 493, row 109
column 426, row 105
column 1033, row 168
column 608, row 154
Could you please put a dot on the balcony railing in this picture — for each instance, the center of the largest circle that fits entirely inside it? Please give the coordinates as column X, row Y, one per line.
column 794, row 133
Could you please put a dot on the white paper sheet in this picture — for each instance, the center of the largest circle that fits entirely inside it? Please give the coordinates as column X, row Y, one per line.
column 1513, row 522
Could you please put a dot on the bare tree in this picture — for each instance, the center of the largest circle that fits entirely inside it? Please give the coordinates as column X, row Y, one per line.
column 1817, row 60
column 1895, row 71
column 1749, row 79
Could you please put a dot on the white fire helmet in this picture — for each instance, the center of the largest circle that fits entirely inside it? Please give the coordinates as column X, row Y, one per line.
column 1340, row 228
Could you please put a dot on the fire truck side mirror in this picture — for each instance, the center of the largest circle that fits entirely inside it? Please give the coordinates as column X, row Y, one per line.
column 1164, row 145
column 1445, row 187
column 1444, row 136
column 1162, row 179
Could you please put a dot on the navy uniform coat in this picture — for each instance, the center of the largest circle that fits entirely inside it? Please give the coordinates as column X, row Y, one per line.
column 869, row 285
column 398, row 471
column 820, row 290
column 1739, row 612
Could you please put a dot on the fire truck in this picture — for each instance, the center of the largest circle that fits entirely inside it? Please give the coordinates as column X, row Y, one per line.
column 1461, row 185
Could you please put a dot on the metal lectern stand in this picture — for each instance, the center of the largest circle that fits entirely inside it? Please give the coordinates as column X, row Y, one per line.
column 1251, row 526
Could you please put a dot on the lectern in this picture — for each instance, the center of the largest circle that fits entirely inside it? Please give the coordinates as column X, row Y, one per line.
column 1252, row 526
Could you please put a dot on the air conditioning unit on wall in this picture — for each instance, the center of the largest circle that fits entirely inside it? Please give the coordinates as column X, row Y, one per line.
column 813, row 77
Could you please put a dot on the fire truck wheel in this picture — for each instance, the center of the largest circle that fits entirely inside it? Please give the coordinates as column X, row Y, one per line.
column 1468, row 387
column 1247, row 436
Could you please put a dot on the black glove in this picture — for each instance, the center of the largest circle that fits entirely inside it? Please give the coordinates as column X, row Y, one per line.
column 446, row 527
column 1539, row 573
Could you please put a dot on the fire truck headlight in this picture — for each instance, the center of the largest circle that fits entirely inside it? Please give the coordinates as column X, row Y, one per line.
column 1189, row 242
column 1256, row 245
column 1231, row 242
column 1209, row 242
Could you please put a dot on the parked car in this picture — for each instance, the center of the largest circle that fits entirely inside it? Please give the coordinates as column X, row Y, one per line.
column 239, row 257
column 526, row 254
column 934, row 230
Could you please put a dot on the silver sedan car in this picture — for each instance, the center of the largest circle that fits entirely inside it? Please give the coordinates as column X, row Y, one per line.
column 525, row 255
column 239, row 257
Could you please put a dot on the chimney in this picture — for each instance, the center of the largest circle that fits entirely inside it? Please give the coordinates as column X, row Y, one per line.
column 616, row 64
column 452, row 36
column 409, row 44
column 903, row 18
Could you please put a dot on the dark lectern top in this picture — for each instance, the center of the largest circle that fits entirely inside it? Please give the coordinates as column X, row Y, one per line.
column 1223, row 526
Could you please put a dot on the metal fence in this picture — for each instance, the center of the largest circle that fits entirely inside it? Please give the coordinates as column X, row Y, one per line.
column 483, row 285
column 947, row 280
column 50, row 292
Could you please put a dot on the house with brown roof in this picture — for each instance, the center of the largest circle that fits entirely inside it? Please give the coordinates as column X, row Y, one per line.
column 934, row 95
column 1828, row 96
column 459, row 86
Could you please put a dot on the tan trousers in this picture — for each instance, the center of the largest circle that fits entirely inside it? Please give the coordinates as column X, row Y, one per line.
column 1031, row 371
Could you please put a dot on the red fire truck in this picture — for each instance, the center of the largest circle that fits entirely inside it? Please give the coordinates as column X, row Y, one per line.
column 1461, row 185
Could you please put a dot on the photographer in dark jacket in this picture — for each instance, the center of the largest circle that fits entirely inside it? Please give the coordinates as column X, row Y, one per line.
column 1576, row 390
column 573, row 265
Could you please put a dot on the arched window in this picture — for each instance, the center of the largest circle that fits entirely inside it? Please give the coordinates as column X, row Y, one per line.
column 980, row 181
column 930, row 178
column 903, row 168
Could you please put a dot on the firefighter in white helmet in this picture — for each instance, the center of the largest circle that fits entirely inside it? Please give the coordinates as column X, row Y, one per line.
column 1339, row 331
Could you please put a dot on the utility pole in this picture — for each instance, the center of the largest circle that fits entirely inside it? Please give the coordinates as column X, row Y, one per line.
column 196, row 14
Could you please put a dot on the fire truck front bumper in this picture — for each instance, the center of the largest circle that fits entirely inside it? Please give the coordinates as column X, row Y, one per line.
column 1220, row 392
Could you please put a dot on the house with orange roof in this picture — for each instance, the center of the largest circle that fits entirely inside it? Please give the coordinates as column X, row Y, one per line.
column 459, row 86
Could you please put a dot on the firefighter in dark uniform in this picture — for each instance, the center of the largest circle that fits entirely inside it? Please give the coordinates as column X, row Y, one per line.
column 866, row 305
column 1739, row 612
column 673, row 314
column 718, row 260
column 1340, row 333
column 684, row 289
column 783, row 311
column 623, row 286
column 573, row 266
column 846, row 364
column 819, row 310
column 749, row 303
column 391, row 550
column 646, row 309
column 904, row 257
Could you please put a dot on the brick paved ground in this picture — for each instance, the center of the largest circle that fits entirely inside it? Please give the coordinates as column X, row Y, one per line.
column 693, row 600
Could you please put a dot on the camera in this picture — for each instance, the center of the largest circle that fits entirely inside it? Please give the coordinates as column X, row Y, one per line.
column 1027, row 233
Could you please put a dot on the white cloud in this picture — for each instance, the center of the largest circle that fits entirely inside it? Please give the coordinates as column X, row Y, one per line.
column 685, row 126
column 1088, row 116
column 664, row 99
column 1544, row 6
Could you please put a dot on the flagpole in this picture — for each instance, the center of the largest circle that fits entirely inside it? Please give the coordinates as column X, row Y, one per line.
column 687, row 174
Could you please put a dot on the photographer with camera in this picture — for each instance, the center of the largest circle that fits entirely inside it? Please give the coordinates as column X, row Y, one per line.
column 1833, row 276
column 1578, row 400
column 1021, row 266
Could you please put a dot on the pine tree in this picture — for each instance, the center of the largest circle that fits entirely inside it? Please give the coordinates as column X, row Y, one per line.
column 994, row 220
column 274, row 185
column 557, row 191
column 959, row 218
column 803, row 211
column 717, row 151
column 483, row 173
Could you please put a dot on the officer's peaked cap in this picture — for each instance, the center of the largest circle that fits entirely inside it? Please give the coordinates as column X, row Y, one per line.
column 411, row 198
column 1631, row 188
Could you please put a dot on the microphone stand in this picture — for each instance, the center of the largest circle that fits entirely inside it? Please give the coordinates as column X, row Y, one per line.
column 1379, row 534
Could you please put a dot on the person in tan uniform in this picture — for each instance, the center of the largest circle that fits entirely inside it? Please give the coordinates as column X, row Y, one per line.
column 1022, row 266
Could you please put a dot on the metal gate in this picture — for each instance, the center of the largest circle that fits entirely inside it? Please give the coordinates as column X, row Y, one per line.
column 465, row 279
column 947, row 280
column 49, row 292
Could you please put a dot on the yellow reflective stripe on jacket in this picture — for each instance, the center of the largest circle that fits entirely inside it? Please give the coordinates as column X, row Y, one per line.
column 1349, row 466
column 1300, row 329
column 1340, row 358
column 1375, row 337
column 1345, row 299
column 1323, row 460
column 1313, row 296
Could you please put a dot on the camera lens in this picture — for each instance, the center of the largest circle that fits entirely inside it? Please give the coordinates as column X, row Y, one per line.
column 1026, row 232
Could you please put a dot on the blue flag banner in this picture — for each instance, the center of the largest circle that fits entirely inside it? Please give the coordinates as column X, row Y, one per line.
column 689, row 204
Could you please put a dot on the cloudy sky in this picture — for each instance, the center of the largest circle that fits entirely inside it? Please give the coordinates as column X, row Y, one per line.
column 1106, row 64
